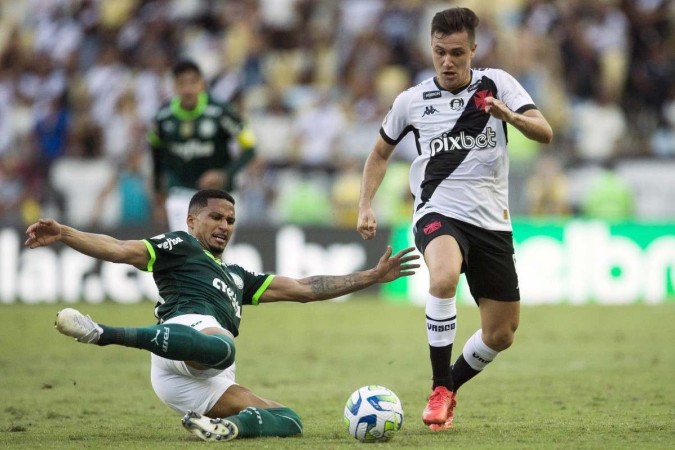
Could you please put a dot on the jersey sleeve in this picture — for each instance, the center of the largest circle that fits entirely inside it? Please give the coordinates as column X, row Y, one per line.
column 396, row 123
column 514, row 95
column 167, row 251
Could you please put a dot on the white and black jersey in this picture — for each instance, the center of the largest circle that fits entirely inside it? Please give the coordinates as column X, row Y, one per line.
column 462, row 166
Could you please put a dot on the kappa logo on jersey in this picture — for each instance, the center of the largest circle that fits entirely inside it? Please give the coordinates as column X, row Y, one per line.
column 456, row 104
column 429, row 110
column 431, row 94
column 448, row 142
column 431, row 227
column 479, row 98
column 169, row 243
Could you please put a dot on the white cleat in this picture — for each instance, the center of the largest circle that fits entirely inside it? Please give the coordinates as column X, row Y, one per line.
column 73, row 323
column 209, row 429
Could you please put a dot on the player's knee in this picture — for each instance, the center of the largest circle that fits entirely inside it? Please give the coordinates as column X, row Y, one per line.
column 499, row 340
column 223, row 352
column 443, row 287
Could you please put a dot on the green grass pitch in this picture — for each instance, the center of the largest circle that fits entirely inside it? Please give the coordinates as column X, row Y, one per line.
column 577, row 377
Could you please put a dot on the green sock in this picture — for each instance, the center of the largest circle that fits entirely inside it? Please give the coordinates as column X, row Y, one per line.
column 174, row 341
column 256, row 422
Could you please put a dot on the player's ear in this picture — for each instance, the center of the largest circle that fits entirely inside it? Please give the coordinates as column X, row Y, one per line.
column 190, row 221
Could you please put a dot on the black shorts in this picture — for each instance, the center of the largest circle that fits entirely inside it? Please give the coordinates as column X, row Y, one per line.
column 488, row 256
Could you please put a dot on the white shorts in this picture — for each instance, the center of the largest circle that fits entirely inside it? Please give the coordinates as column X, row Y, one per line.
column 184, row 388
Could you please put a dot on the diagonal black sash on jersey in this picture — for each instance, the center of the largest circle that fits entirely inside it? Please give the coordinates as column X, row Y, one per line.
column 471, row 122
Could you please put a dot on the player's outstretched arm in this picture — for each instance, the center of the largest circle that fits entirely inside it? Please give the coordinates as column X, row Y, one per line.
column 47, row 231
column 324, row 287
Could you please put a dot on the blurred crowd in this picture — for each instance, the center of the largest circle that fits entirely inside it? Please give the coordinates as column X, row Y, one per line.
column 80, row 80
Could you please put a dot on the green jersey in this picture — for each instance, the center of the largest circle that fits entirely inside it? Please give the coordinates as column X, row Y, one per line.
column 186, row 143
column 192, row 281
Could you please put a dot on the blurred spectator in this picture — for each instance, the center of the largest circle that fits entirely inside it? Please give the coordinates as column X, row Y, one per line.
column 271, row 123
column 394, row 204
column 258, row 193
column 124, row 132
column 129, row 189
column 18, row 202
column 606, row 32
column 663, row 139
column 316, row 135
column 609, row 197
column 344, row 194
column 304, row 201
column 547, row 189
column 42, row 82
column 600, row 127
column 51, row 132
column 652, row 69
column 106, row 80
column 6, row 125
column 153, row 84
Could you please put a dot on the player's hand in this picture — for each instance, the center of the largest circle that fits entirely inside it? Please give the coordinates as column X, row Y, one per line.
column 43, row 232
column 391, row 267
column 367, row 223
column 498, row 110
column 212, row 179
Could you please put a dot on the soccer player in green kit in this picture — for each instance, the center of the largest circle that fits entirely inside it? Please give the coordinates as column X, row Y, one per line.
column 191, row 141
column 193, row 350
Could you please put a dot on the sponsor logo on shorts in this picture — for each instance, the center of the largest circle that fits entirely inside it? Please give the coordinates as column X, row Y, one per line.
column 431, row 227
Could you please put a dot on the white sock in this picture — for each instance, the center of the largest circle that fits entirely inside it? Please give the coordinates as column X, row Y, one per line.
column 441, row 320
column 476, row 353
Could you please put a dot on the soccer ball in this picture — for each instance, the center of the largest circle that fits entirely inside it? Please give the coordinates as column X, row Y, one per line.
column 373, row 413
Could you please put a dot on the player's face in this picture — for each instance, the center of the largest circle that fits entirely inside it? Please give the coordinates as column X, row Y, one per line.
column 213, row 225
column 188, row 85
column 452, row 54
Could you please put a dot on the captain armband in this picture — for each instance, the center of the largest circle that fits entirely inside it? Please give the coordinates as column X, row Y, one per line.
column 246, row 139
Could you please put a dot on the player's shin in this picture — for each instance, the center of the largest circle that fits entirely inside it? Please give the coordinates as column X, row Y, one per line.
column 441, row 320
column 175, row 341
column 256, row 422
column 475, row 356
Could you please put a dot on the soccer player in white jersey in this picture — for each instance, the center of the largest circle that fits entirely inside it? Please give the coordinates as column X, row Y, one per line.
column 461, row 219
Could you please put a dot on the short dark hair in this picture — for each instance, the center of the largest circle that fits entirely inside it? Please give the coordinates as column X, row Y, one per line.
column 455, row 20
column 184, row 66
column 201, row 198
